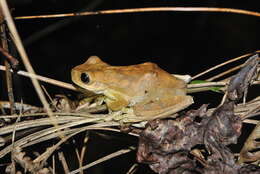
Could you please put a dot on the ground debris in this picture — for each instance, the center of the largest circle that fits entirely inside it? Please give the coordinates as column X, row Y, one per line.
column 165, row 145
column 26, row 163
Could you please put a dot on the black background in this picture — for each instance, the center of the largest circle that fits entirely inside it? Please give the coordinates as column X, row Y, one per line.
column 179, row 42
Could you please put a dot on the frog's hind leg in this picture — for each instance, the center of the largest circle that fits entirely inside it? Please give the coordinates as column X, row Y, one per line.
column 161, row 108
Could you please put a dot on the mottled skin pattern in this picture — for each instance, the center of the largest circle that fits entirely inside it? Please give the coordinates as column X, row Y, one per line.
column 147, row 88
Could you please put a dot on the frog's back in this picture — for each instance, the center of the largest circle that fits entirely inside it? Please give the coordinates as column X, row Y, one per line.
column 136, row 80
column 161, row 78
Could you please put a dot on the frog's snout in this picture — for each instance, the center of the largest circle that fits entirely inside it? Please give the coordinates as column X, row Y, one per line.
column 75, row 76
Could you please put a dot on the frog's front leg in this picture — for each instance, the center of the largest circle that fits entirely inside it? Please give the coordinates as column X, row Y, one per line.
column 162, row 107
column 115, row 102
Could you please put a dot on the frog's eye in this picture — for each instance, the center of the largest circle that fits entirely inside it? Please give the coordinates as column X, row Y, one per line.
column 84, row 78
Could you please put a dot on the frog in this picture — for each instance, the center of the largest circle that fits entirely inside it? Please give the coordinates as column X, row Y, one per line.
column 148, row 90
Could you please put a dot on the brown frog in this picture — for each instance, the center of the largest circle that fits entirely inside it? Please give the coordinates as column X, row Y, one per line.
column 149, row 90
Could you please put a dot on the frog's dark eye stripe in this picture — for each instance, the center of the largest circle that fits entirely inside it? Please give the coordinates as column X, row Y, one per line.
column 84, row 78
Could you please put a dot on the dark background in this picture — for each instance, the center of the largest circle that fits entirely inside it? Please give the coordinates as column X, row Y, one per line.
column 179, row 42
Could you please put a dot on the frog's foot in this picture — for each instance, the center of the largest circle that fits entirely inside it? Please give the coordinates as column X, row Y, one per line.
column 127, row 116
column 161, row 108
column 62, row 103
column 127, row 110
column 122, row 114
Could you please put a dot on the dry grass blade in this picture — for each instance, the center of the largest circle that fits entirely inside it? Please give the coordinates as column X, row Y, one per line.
column 13, row 146
column 249, row 121
column 35, row 123
column 149, row 9
column 251, row 111
column 29, row 140
column 51, row 133
column 132, row 169
column 87, row 115
column 42, row 158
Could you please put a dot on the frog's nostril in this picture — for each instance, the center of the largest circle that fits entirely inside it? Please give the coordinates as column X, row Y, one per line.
column 84, row 78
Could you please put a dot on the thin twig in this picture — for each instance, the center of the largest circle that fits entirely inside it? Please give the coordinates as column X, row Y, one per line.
column 78, row 157
column 225, row 72
column 53, row 164
column 81, row 154
column 105, row 158
column 49, row 96
column 14, row 62
column 148, row 9
column 224, row 63
column 83, row 150
column 9, row 84
column 22, row 52
column 44, row 79
column 63, row 162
